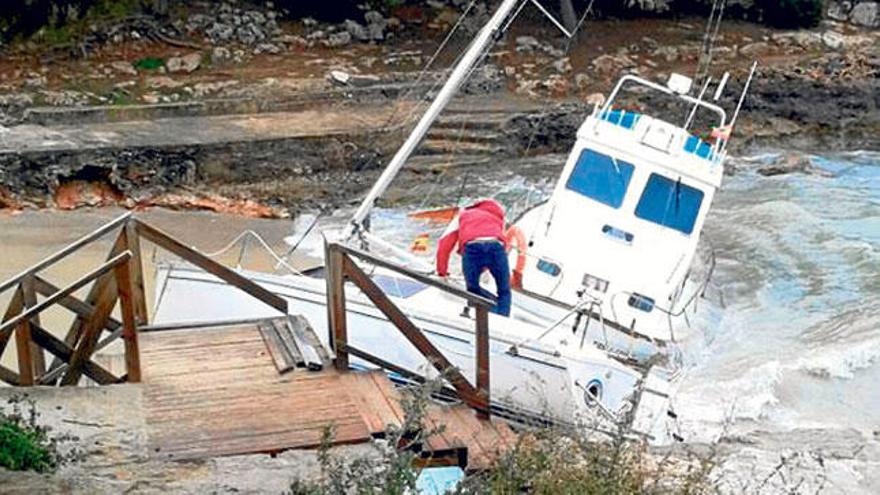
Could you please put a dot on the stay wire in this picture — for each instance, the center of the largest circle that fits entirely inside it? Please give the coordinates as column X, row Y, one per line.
column 568, row 46
column 405, row 95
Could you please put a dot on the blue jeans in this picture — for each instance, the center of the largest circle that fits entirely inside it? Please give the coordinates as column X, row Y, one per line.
column 479, row 256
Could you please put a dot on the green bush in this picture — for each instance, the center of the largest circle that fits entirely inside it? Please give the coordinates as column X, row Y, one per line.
column 22, row 449
column 791, row 13
column 25, row 445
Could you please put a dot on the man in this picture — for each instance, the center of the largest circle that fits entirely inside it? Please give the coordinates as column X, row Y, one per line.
column 479, row 232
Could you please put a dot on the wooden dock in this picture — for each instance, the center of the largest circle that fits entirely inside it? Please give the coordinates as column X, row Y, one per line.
column 217, row 391
column 261, row 387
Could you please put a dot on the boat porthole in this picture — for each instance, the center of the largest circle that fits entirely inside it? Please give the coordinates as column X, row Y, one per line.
column 593, row 391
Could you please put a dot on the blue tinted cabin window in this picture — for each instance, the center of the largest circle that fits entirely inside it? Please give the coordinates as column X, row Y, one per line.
column 670, row 203
column 601, row 177
column 698, row 147
column 549, row 268
column 624, row 119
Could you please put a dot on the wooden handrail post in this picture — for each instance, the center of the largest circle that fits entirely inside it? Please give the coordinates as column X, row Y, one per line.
column 139, row 293
column 29, row 295
column 336, row 318
column 128, row 309
column 23, row 346
column 482, row 340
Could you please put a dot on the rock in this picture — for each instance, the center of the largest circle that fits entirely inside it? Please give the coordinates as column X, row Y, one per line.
column 866, row 14
column 669, row 53
column 220, row 33
column 65, row 98
column 201, row 90
column 832, row 40
column 526, row 44
column 595, row 99
column 581, row 80
column 376, row 25
column 124, row 67
column 150, row 98
column 339, row 77
column 753, row 49
column 339, row 39
column 839, row 11
column 162, row 82
column 611, row 63
column 35, row 80
column 562, row 66
column 793, row 163
column 267, row 48
column 357, row 31
column 220, row 55
column 187, row 63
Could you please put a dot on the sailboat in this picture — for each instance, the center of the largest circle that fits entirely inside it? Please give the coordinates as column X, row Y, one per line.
column 606, row 267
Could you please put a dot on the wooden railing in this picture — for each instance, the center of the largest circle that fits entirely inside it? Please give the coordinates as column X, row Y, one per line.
column 341, row 267
column 119, row 280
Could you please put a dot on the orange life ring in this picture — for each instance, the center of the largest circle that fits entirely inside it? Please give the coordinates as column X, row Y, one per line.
column 514, row 235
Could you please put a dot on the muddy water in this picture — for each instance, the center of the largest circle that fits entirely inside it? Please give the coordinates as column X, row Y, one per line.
column 31, row 236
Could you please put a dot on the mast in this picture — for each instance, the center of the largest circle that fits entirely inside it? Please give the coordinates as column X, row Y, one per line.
column 459, row 74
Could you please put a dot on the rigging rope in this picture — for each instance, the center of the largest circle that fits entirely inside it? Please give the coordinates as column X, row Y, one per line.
column 713, row 26
column 424, row 71
column 251, row 234
column 568, row 46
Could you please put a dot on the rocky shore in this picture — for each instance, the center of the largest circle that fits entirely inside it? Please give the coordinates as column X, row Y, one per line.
column 817, row 89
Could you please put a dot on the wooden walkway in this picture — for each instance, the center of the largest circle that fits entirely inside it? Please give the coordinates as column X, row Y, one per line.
column 217, row 391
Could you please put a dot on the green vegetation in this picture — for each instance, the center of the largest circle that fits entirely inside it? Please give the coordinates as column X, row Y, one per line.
column 149, row 63
column 24, row 444
column 791, row 13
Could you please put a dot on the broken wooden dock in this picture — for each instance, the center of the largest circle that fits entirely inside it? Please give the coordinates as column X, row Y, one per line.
column 218, row 391
column 258, row 387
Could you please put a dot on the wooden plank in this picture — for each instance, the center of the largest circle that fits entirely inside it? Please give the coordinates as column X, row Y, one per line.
column 91, row 332
column 205, row 408
column 378, row 408
column 129, row 323
column 23, row 346
column 67, row 251
column 30, row 300
column 167, row 242
column 9, row 376
column 412, row 333
column 287, row 340
column 337, row 320
column 482, row 340
column 284, row 362
column 139, row 294
column 16, row 305
column 58, row 348
column 297, row 328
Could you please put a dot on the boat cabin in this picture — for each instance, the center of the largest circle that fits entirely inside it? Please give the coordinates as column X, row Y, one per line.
column 621, row 227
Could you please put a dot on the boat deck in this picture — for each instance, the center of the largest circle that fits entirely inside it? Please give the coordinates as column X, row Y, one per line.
column 219, row 391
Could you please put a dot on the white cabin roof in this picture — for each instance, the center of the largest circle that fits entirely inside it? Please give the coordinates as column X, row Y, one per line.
column 640, row 138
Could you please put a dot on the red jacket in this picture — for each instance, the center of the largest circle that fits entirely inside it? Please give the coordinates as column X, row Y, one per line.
column 485, row 218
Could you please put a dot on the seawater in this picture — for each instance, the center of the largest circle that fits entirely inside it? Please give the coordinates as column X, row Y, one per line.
column 786, row 360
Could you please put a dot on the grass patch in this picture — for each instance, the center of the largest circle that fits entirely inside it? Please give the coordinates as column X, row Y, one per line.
column 25, row 445
column 149, row 63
